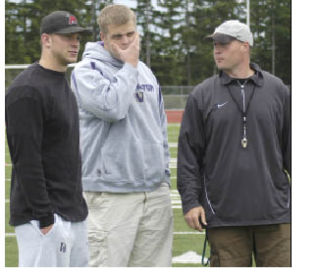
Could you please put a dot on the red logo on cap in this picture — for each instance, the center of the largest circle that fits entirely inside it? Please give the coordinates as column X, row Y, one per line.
column 72, row 20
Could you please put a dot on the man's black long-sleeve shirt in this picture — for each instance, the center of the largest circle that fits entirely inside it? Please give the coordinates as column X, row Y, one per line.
column 43, row 136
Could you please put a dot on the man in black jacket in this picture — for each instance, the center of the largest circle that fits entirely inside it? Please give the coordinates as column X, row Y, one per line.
column 234, row 157
column 46, row 203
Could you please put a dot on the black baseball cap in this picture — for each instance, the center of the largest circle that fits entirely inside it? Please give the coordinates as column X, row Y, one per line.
column 61, row 22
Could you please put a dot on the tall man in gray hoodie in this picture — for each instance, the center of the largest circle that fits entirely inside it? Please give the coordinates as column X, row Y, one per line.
column 123, row 140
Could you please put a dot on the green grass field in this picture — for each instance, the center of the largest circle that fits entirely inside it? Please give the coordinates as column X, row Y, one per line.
column 185, row 239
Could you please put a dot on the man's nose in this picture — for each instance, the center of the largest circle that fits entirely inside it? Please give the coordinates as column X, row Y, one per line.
column 124, row 39
column 75, row 41
column 216, row 49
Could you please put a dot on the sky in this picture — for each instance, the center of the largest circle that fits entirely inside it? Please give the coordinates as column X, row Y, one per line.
column 129, row 3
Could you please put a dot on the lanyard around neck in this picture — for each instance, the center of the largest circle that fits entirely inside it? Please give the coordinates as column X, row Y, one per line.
column 243, row 111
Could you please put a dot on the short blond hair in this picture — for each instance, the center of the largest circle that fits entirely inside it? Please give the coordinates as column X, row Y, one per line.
column 116, row 15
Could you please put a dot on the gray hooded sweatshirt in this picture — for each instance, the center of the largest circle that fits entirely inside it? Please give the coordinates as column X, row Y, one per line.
column 123, row 126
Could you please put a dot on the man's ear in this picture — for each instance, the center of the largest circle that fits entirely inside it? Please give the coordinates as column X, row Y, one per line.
column 245, row 46
column 102, row 36
column 45, row 40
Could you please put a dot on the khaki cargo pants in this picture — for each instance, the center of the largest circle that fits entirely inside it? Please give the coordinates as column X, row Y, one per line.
column 134, row 229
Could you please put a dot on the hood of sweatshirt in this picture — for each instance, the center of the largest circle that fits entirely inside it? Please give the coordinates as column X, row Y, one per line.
column 96, row 50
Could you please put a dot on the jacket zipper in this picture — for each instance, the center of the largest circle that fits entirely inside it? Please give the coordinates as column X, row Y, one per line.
column 207, row 198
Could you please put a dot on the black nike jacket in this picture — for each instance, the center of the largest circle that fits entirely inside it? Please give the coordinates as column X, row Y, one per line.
column 237, row 186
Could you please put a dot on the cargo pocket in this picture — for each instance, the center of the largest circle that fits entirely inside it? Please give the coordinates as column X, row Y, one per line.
column 97, row 247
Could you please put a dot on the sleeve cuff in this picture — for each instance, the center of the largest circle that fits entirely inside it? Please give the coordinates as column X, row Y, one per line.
column 187, row 208
column 46, row 221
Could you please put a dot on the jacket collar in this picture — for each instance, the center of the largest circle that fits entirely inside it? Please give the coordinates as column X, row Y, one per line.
column 257, row 78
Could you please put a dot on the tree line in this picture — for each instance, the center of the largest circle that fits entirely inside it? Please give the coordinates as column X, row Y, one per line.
column 173, row 33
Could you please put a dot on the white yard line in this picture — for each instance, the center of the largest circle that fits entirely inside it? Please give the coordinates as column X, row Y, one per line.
column 174, row 124
column 173, row 163
column 188, row 257
column 173, row 145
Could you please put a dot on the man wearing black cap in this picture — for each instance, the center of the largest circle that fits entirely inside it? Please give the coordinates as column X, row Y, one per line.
column 46, row 203
column 234, row 157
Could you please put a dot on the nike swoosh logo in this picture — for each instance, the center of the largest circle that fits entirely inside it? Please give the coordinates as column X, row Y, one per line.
column 221, row 105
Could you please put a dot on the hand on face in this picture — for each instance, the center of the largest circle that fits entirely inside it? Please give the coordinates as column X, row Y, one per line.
column 130, row 54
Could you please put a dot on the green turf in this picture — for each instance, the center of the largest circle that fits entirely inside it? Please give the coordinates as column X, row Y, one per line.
column 11, row 251
column 173, row 152
column 8, row 171
column 184, row 243
column 8, row 228
column 173, row 173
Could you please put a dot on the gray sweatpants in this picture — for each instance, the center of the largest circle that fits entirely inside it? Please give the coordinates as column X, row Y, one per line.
column 66, row 244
